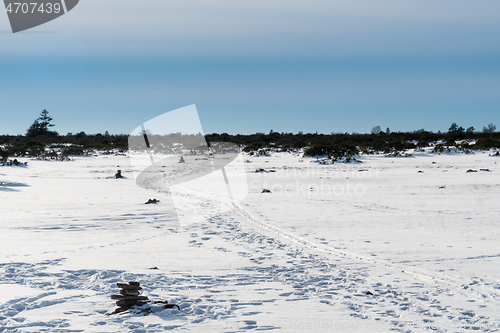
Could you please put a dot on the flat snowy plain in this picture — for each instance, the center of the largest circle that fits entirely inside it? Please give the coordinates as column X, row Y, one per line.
column 302, row 258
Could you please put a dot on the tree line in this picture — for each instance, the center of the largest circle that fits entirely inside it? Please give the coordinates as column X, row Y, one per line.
column 378, row 141
column 40, row 134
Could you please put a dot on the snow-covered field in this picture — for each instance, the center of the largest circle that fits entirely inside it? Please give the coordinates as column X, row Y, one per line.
column 361, row 247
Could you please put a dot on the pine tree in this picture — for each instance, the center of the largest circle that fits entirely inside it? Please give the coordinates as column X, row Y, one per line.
column 454, row 129
column 40, row 126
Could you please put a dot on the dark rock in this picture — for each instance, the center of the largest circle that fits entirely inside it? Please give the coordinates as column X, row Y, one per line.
column 265, row 191
column 126, row 302
column 151, row 201
column 368, row 293
column 126, row 297
column 128, row 286
column 128, row 292
column 166, row 305
column 118, row 310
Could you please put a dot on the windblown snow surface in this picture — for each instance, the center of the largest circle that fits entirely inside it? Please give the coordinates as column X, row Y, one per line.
column 389, row 244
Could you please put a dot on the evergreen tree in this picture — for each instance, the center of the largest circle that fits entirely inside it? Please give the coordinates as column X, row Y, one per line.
column 40, row 126
column 454, row 129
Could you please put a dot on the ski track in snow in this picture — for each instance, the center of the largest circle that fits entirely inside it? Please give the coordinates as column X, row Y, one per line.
column 419, row 300
column 337, row 282
column 310, row 275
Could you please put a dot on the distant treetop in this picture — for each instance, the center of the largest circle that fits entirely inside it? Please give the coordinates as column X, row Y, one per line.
column 40, row 126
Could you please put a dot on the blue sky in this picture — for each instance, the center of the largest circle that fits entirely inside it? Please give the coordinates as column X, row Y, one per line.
column 253, row 66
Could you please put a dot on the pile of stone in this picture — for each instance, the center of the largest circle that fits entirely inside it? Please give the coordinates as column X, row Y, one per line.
column 129, row 296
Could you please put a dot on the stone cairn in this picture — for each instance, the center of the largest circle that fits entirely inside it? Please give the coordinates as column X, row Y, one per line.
column 129, row 296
